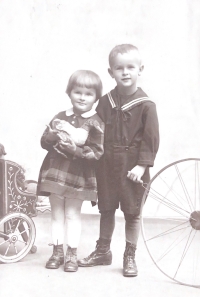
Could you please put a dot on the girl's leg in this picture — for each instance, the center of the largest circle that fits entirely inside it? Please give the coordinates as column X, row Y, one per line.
column 57, row 218
column 57, row 226
column 73, row 222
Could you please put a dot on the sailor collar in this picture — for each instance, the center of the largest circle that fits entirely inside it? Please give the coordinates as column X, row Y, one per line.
column 86, row 114
column 129, row 105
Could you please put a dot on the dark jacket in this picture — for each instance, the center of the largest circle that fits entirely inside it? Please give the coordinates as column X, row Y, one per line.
column 131, row 138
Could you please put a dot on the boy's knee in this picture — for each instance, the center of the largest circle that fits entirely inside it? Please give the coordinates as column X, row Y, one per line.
column 107, row 213
column 131, row 217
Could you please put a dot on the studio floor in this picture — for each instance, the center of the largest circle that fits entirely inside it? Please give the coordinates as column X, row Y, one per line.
column 30, row 278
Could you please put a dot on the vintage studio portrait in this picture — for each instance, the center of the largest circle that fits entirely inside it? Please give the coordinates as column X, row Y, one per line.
column 99, row 148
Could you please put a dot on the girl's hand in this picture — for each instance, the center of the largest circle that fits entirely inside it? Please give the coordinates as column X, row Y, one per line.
column 88, row 153
column 51, row 135
column 136, row 174
column 69, row 146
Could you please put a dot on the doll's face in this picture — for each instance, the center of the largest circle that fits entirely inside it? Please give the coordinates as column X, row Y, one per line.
column 82, row 99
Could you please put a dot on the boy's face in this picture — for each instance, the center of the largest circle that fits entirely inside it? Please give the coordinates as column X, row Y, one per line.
column 82, row 99
column 125, row 69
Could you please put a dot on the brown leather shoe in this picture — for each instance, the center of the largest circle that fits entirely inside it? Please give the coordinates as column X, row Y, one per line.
column 129, row 265
column 57, row 257
column 101, row 256
column 71, row 264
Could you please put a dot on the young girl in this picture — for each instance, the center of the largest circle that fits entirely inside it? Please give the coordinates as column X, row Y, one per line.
column 67, row 175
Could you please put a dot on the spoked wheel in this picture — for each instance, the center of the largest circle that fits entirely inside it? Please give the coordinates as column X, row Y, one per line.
column 171, row 221
column 17, row 236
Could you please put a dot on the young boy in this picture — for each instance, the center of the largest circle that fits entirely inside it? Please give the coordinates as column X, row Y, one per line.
column 130, row 147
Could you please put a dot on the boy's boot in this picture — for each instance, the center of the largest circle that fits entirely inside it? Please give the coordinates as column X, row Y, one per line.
column 129, row 265
column 101, row 256
column 71, row 264
column 57, row 257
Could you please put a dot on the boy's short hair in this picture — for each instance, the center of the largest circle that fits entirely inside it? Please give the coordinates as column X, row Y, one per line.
column 85, row 78
column 121, row 49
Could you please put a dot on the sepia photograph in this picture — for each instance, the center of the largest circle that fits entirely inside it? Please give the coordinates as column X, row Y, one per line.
column 99, row 148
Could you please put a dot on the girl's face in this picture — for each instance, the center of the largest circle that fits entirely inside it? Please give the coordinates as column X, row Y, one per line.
column 82, row 99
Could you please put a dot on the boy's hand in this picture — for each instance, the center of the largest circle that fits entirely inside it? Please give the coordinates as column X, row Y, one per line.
column 136, row 174
column 69, row 147
column 52, row 135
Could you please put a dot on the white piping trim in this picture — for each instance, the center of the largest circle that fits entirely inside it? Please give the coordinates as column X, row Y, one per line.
column 129, row 104
column 134, row 102
column 112, row 102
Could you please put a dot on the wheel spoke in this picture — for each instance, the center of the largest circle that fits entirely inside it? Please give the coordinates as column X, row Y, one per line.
column 25, row 243
column 184, row 189
column 173, row 245
column 10, row 226
column 4, row 235
column 20, row 236
column 17, row 225
column 171, row 230
column 171, row 221
column 179, row 198
column 16, row 252
column 174, row 220
column 163, row 200
column 4, row 241
column 187, row 246
column 7, row 249
column 196, row 265
column 28, row 229
column 197, row 185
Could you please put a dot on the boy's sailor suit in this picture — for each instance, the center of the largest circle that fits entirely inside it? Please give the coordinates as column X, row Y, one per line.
column 131, row 138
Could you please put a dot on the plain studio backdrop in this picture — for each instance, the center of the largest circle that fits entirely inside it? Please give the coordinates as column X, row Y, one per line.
column 44, row 41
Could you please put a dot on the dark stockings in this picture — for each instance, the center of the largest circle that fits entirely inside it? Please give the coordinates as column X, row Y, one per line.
column 132, row 228
column 107, row 225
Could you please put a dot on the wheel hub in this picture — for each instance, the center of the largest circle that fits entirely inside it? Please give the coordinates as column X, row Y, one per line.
column 13, row 238
column 195, row 219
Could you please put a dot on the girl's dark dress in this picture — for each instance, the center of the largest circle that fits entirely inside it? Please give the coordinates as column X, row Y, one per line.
column 72, row 176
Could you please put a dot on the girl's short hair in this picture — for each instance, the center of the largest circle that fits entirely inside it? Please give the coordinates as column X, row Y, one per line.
column 85, row 78
column 121, row 49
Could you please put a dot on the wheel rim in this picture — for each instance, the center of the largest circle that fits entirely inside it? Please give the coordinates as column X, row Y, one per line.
column 17, row 235
column 170, row 221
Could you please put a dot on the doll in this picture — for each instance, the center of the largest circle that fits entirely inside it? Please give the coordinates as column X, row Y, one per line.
column 67, row 133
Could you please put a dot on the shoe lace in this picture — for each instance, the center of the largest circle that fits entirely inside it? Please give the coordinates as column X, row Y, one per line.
column 90, row 256
column 130, row 261
column 54, row 257
column 55, row 254
column 71, row 257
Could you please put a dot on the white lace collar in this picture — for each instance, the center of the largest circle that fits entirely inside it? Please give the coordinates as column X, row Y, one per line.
column 86, row 114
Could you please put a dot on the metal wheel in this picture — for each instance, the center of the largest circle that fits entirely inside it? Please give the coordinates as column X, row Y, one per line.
column 17, row 236
column 170, row 221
